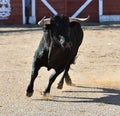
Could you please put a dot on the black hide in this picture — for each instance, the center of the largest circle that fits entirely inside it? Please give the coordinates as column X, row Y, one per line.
column 57, row 49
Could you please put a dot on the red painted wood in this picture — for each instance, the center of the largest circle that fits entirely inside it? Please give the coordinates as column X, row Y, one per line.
column 67, row 7
column 111, row 7
column 16, row 13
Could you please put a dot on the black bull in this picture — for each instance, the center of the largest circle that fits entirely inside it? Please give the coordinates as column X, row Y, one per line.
column 57, row 49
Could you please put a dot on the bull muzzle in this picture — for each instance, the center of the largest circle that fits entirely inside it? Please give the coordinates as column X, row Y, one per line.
column 68, row 45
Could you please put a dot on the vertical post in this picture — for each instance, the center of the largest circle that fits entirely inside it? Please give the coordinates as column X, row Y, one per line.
column 100, row 7
column 100, row 10
column 23, row 12
column 33, row 12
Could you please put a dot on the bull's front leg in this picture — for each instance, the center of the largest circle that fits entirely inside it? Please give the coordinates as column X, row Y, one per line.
column 36, row 66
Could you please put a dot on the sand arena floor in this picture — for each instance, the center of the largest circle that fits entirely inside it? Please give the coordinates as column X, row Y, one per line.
column 96, row 75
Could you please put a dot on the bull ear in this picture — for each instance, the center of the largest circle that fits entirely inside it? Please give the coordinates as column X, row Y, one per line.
column 79, row 19
column 44, row 21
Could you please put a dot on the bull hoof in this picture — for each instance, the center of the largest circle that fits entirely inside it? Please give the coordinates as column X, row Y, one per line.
column 60, row 86
column 68, row 82
column 29, row 94
column 46, row 94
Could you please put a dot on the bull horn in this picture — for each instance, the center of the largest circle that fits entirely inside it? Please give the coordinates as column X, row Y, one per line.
column 44, row 21
column 79, row 19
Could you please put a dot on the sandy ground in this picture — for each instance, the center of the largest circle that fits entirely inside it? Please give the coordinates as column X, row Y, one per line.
column 96, row 75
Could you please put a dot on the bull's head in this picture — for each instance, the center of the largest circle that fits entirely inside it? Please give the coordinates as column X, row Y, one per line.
column 60, row 28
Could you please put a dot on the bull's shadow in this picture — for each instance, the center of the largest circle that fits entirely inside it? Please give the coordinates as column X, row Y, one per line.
column 110, row 96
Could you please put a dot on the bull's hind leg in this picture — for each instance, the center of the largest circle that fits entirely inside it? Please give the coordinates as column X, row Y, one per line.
column 66, row 77
column 51, row 80
column 36, row 66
